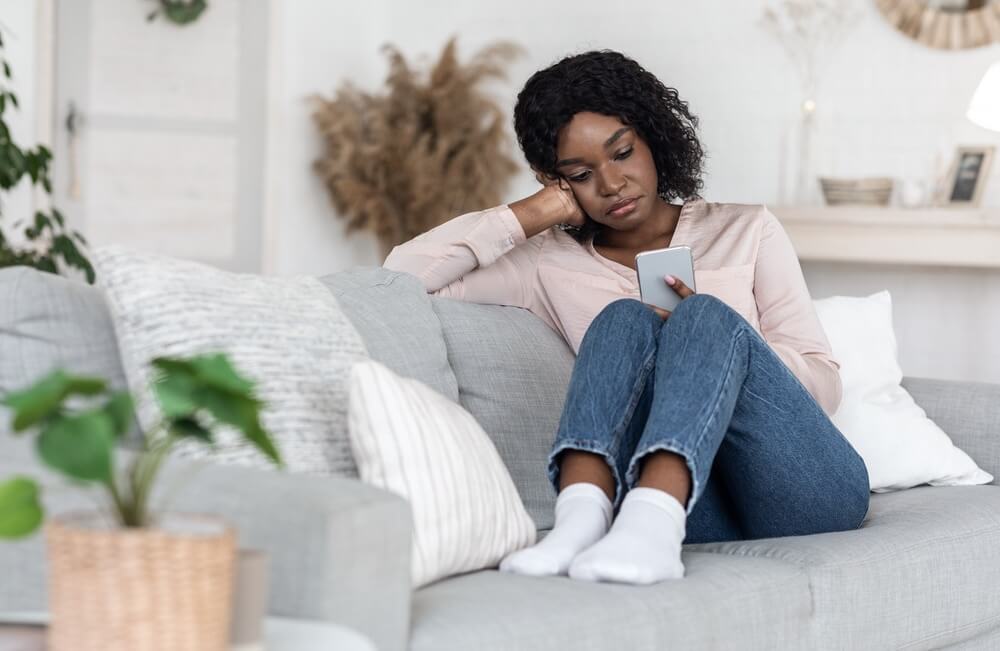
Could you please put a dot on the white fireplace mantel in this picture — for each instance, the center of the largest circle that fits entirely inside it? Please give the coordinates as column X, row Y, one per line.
column 958, row 237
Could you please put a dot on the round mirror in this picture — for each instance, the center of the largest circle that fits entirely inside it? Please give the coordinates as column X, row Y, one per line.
column 945, row 24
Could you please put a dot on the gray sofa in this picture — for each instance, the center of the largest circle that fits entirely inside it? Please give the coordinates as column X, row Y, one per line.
column 923, row 572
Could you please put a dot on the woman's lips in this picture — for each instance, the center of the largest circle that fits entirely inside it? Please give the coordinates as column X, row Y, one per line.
column 624, row 209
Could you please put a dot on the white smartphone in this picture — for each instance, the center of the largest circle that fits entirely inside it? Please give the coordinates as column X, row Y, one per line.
column 652, row 266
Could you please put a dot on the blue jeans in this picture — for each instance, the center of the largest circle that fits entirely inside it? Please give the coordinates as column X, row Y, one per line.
column 765, row 460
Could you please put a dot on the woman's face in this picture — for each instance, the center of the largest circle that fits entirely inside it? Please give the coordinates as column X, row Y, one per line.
column 605, row 163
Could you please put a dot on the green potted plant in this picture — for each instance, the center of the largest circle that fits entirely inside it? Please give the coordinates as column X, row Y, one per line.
column 47, row 243
column 133, row 579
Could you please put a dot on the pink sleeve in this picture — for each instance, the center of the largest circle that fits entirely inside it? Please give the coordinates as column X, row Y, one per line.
column 788, row 319
column 480, row 257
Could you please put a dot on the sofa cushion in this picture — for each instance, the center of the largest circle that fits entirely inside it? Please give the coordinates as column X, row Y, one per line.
column 287, row 334
column 429, row 450
column 48, row 321
column 968, row 412
column 512, row 373
column 722, row 603
column 900, row 445
column 392, row 312
column 917, row 573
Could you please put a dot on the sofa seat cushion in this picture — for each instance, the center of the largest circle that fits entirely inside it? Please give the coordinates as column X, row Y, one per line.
column 723, row 602
column 922, row 572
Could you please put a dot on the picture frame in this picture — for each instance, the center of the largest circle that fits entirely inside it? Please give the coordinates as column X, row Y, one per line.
column 970, row 168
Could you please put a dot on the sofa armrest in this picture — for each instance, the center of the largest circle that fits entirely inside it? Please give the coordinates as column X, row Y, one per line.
column 969, row 412
column 339, row 549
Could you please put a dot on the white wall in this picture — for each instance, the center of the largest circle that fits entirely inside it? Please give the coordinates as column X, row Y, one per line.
column 316, row 45
column 887, row 106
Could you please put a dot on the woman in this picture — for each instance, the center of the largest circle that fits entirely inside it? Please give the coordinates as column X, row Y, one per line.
column 708, row 423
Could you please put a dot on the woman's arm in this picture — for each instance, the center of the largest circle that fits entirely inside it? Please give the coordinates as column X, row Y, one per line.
column 488, row 256
column 788, row 319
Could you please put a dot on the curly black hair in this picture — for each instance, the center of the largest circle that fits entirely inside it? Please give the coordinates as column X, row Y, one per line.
column 610, row 83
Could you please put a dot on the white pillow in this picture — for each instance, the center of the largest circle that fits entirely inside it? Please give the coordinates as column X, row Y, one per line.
column 900, row 445
column 287, row 334
column 412, row 441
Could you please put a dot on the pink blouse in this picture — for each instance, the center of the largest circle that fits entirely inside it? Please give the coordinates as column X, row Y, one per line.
column 741, row 253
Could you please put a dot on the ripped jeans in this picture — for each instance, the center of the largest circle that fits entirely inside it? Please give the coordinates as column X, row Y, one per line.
column 765, row 459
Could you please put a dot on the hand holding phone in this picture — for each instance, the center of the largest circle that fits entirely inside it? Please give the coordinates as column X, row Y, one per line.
column 653, row 266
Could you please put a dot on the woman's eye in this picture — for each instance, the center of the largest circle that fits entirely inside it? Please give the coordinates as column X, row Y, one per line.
column 579, row 178
column 623, row 154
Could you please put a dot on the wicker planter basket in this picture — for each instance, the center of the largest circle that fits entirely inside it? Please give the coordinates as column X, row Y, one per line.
column 163, row 588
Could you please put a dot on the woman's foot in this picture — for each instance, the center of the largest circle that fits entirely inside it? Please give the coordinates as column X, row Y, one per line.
column 583, row 515
column 644, row 544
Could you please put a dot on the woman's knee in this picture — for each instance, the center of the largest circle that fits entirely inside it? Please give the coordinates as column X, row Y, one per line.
column 704, row 315
column 624, row 314
column 700, row 305
column 625, row 305
column 848, row 507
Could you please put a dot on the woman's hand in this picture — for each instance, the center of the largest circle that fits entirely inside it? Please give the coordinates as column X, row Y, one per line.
column 679, row 287
column 557, row 190
column 554, row 204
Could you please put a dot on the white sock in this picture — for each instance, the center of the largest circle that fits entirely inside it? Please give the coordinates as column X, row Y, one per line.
column 583, row 515
column 644, row 544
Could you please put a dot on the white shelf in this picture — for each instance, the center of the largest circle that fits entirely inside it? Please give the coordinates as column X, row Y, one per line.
column 954, row 237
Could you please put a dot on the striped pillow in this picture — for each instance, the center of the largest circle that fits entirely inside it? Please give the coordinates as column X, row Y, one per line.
column 410, row 440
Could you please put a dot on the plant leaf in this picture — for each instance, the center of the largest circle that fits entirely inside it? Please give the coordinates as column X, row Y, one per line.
column 20, row 510
column 40, row 400
column 173, row 365
column 175, row 393
column 66, row 247
column 189, row 427
column 239, row 411
column 182, row 12
column 80, row 446
column 119, row 410
column 46, row 263
column 242, row 413
column 217, row 371
column 262, row 441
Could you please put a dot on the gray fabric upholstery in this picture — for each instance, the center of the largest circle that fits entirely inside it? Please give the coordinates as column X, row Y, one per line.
column 393, row 313
column 988, row 641
column 512, row 372
column 922, row 571
column 722, row 603
column 48, row 321
column 339, row 550
column 920, row 574
column 969, row 412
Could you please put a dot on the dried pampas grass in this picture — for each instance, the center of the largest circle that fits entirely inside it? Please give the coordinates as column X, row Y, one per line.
column 429, row 148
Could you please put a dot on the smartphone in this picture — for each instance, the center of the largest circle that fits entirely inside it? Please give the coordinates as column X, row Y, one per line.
column 652, row 266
